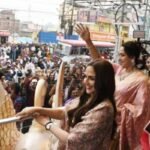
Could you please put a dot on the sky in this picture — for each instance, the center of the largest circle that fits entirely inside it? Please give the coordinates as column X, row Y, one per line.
column 38, row 11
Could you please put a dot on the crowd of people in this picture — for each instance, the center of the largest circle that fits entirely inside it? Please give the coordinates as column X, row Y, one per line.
column 106, row 105
column 20, row 74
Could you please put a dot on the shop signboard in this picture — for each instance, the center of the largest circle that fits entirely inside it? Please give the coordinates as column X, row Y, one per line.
column 4, row 33
column 138, row 34
column 101, row 36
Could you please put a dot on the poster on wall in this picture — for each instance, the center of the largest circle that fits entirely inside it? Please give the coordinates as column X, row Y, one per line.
column 92, row 16
column 82, row 16
column 87, row 16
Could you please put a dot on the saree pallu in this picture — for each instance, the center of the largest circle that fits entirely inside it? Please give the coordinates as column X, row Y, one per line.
column 133, row 101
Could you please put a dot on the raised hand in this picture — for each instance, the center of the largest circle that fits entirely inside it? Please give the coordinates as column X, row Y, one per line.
column 83, row 31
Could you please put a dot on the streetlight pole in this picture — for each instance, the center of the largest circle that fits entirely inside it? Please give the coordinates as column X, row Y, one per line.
column 119, row 26
column 71, row 20
column 118, row 32
column 62, row 26
column 145, row 20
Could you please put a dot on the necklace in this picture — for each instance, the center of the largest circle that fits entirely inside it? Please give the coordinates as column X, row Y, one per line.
column 125, row 75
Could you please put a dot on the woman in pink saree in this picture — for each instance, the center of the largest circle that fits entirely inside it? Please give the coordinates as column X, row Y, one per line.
column 132, row 100
column 132, row 92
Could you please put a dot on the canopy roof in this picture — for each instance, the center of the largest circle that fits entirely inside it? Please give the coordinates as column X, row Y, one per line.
column 103, row 4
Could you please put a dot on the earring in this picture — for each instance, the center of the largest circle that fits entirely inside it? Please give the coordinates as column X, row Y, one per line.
column 133, row 62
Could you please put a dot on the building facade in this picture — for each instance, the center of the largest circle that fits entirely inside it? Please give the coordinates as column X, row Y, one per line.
column 8, row 21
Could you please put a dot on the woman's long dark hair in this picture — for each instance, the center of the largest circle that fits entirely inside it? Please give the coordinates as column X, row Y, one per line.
column 104, row 90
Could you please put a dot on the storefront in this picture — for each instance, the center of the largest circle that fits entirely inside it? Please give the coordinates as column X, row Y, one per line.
column 4, row 34
column 104, row 30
